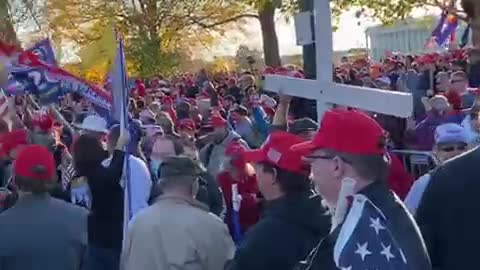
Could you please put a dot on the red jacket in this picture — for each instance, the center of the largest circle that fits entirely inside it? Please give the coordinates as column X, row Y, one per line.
column 399, row 180
column 249, row 208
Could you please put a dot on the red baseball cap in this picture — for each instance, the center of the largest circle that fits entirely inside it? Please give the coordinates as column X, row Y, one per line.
column 218, row 121
column 35, row 162
column 346, row 131
column 187, row 124
column 276, row 150
column 12, row 140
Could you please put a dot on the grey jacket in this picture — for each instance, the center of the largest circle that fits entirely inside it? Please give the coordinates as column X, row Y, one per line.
column 41, row 232
column 213, row 155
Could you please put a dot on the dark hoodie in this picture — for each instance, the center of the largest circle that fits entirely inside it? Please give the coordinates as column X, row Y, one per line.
column 290, row 228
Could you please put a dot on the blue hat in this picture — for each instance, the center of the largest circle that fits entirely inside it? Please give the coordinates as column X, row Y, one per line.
column 450, row 133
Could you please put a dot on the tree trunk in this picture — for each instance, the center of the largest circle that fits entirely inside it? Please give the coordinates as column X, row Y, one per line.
column 269, row 35
column 7, row 31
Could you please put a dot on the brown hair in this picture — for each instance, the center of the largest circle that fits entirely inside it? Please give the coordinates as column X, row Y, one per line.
column 87, row 152
column 33, row 185
column 289, row 182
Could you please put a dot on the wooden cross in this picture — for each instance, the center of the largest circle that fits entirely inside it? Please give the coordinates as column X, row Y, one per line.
column 325, row 91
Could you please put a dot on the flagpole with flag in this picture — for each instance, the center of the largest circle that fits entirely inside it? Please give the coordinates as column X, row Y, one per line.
column 119, row 109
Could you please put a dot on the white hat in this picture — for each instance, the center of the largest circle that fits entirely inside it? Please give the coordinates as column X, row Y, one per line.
column 94, row 123
column 450, row 133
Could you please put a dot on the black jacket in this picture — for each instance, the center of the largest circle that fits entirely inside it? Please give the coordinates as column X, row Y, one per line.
column 400, row 223
column 290, row 228
column 211, row 195
column 105, row 222
column 449, row 213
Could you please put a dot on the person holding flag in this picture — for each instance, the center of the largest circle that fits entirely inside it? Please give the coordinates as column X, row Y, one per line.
column 372, row 228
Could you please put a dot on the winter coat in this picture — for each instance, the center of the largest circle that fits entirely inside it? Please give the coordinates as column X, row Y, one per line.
column 289, row 229
column 448, row 213
column 41, row 232
column 175, row 233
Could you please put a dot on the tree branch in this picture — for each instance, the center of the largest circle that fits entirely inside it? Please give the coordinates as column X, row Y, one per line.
column 222, row 22
column 452, row 10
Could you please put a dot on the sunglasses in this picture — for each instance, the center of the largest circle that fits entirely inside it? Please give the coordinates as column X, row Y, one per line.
column 451, row 148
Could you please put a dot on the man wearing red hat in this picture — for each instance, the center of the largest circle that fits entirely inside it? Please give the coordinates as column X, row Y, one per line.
column 10, row 144
column 350, row 145
column 213, row 154
column 40, row 232
column 294, row 219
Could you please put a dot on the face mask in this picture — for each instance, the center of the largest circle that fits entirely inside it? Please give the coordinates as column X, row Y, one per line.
column 154, row 166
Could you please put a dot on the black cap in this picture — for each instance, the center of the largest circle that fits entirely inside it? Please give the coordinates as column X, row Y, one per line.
column 302, row 125
column 180, row 166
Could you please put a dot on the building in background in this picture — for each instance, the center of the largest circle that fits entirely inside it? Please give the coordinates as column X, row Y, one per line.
column 407, row 36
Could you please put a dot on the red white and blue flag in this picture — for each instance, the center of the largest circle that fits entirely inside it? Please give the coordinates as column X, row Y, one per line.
column 366, row 242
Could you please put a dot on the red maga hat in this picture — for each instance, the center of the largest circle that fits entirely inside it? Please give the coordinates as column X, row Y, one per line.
column 217, row 121
column 12, row 140
column 35, row 162
column 346, row 131
column 276, row 151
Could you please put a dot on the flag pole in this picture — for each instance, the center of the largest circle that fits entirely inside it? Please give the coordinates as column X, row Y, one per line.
column 121, row 81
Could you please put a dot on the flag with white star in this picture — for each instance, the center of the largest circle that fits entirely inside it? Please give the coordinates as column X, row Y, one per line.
column 365, row 241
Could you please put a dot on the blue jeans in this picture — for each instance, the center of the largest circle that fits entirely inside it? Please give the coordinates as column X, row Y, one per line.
column 99, row 258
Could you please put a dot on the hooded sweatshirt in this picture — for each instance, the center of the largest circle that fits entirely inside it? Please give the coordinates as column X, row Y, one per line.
column 288, row 231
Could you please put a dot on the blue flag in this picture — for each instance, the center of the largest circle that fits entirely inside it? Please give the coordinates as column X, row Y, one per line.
column 44, row 51
column 366, row 242
column 119, row 112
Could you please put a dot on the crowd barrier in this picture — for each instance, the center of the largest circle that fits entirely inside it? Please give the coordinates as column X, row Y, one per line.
column 417, row 163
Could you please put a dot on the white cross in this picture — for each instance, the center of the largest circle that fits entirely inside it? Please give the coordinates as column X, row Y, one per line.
column 325, row 91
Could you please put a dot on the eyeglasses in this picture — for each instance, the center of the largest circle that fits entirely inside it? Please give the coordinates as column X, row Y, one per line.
column 451, row 148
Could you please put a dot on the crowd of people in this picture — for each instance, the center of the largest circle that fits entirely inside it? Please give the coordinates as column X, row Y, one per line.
column 224, row 175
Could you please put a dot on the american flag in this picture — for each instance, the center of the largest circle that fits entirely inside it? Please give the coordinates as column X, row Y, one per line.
column 365, row 241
